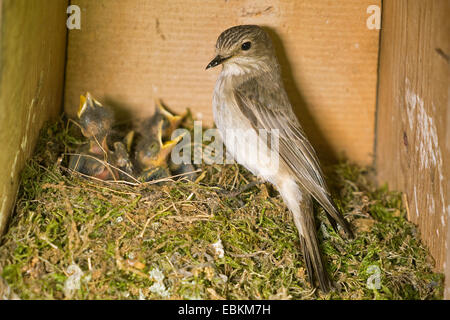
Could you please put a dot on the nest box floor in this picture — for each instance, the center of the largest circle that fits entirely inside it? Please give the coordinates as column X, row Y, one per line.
column 76, row 238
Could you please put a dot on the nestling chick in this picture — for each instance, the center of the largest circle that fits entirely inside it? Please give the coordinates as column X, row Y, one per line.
column 152, row 153
column 153, row 174
column 121, row 159
column 183, row 170
column 170, row 122
column 92, row 164
column 95, row 121
column 179, row 168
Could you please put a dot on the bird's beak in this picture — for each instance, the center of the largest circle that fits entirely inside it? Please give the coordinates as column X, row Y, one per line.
column 167, row 148
column 174, row 120
column 216, row 61
column 82, row 106
column 85, row 102
column 129, row 140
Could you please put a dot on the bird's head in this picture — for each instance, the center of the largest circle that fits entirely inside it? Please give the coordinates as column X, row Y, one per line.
column 151, row 152
column 244, row 48
column 94, row 118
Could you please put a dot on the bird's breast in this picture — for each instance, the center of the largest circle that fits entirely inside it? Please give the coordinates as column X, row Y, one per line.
column 227, row 114
column 237, row 133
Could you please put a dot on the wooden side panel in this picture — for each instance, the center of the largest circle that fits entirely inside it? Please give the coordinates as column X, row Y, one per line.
column 32, row 58
column 129, row 52
column 413, row 124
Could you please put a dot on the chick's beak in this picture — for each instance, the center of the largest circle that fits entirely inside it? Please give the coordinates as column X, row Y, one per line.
column 174, row 120
column 82, row 106
column 87, row 101
column 166, row 149
column 216, row 61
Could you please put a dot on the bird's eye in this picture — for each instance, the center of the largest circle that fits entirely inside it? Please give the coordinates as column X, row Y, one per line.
column 246, row 46
column 154, row 147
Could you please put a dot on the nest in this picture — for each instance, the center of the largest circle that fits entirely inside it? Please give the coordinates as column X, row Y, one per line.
column 72, row 237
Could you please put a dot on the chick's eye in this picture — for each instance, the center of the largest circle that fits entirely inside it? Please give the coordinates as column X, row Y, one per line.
column 246, row 46
column 154, row 147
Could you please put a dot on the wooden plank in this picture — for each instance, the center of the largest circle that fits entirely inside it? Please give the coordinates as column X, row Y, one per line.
column 129, row 52
column 413, row 123
column 33, row 42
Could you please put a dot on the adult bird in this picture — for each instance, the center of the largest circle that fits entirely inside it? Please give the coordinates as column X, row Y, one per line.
column 251, row 104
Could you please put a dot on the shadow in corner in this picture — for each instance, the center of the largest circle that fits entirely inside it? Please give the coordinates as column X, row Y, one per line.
column 325, row 151
column 123, row 116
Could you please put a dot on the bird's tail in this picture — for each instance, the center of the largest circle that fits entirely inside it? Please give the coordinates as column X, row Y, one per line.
column 309, row 243
column 300, row 203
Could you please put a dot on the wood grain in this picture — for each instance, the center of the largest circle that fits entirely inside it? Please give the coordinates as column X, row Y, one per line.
column 129, row 52
column 32, row 58
column 413, row 123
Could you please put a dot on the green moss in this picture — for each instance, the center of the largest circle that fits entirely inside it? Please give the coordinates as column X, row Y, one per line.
column 120, row 236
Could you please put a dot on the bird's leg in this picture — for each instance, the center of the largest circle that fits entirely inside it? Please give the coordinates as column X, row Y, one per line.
column 234, row 194
column 249, row 185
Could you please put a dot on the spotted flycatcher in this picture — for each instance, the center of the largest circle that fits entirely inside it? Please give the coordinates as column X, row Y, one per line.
column 249, row 99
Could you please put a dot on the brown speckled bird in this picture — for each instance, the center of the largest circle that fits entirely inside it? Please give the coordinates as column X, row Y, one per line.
column 250, row 98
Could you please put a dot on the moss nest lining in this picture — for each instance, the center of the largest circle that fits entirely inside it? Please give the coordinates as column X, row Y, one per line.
column 76, row 238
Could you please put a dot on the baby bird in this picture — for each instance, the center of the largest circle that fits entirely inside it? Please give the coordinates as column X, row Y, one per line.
column 170, row 122
column 95, row 119
column 183, row 171
column 180, row 169
column 95, row 122
column 120, row 159
column 152, row 155
column 91, row 164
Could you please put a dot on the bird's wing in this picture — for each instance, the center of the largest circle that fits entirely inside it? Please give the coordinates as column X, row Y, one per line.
column 265, row 104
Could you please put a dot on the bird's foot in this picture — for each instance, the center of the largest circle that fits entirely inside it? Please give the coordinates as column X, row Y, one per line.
column 235, row 193
column 248, row 186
